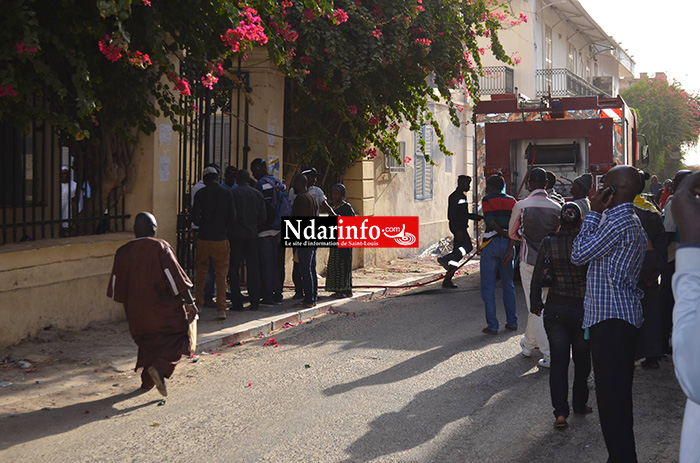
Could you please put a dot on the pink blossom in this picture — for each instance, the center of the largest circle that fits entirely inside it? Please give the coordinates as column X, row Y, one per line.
column 146, row 2
column 249, row 30
column 305, row 60
column 23, row 48
column 209, row 80
column 523, row 17
column 181, row 85
column 7, row 90
column 371, row 153
column 215, row 68
column 377, row 33
column 308, row 15
column 352, row 109
column 424, row 42
column 374, row 120
column 139, row 59
column 111, row 52
column 339, row 17
column 286, row 4
column 321, row 85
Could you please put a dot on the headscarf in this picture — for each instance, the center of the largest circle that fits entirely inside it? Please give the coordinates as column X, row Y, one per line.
column 585, row 181
column 640, row 202
column 340, row 188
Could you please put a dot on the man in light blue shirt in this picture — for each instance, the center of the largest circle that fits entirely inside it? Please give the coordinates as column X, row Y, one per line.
column 613, row 243
column 686, row 313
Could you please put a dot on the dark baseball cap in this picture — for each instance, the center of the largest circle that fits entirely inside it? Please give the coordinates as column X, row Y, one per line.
column 538, row 174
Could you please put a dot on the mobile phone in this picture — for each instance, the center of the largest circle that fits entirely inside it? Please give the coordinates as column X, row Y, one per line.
column 610, row 193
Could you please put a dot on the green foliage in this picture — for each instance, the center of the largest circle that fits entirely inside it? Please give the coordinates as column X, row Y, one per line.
column 669, row 117
column 352, row 83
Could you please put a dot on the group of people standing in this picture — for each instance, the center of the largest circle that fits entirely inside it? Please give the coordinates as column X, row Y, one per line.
column 590, row 270
column 239, row 224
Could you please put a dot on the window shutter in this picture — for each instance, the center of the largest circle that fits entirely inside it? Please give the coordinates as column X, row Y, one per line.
column 423, row 180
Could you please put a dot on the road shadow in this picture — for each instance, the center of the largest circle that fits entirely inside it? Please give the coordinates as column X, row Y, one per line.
column 26, row 427
column 418, row 364
column 422, row 419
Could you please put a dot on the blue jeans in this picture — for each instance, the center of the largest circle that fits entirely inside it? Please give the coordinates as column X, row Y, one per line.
column 209, row 287
column 307, row 271
column 491, row 261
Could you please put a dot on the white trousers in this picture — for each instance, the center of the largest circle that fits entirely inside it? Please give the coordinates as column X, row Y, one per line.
column 690, row 436
column 535, row 335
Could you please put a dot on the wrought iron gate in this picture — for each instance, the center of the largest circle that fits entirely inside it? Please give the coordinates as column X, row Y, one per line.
column 216, row 131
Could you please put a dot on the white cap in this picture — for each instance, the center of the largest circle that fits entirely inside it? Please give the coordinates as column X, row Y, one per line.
column 210, row 170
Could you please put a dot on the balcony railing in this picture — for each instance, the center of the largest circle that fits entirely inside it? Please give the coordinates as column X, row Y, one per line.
column 496, row 79
column 563, row 82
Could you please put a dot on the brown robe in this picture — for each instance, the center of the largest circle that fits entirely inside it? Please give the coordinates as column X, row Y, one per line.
column 147, row 279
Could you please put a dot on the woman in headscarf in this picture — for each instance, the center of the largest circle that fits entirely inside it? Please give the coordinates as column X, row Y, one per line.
column 339, row 271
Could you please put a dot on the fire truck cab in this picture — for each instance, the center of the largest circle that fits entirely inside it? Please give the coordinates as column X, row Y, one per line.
column 568, row 136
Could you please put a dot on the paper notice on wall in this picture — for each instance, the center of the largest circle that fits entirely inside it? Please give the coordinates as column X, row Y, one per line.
column 164, row 168
column 273, row 164
column 165, row 134
column 271, row 138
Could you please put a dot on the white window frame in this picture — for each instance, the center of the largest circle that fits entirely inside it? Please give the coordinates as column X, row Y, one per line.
column 391, row 165
column 423, row 170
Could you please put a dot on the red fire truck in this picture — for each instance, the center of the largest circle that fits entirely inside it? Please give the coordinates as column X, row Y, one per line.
column 567, row 136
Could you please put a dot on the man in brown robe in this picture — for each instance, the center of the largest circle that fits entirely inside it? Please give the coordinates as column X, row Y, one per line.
column 148, row 280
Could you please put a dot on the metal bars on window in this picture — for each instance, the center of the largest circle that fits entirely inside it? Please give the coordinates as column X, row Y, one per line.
column 52, row 191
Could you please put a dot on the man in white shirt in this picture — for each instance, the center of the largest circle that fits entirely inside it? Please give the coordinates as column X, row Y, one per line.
column 686, row 313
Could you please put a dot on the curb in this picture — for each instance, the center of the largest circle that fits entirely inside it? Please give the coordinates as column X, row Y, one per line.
column 252, row 329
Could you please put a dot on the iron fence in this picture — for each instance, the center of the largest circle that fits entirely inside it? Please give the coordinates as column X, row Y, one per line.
column 496, row 80
column 563, row 82
column 52, row 189
column 216, row 131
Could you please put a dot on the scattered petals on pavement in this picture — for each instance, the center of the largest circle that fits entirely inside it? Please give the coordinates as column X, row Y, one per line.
column 270, row 342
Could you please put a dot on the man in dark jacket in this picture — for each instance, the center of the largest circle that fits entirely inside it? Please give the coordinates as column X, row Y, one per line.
column 213, row 213
column 271, row 252
column 250, row 214
column 458, row 215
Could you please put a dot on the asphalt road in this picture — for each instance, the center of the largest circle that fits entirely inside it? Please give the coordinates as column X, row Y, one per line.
column 405, row 379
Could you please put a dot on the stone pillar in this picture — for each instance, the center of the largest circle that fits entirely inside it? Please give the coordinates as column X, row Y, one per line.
column 359, row 182
column 266, row 111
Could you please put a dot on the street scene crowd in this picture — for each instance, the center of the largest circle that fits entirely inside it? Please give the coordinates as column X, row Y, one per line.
column 597, row 273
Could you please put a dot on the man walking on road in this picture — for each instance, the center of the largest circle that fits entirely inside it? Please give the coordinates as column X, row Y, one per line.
column 458, row 215
column 213, row 213
column 532, row 219
column 148, row 280
column 250, row 214
column 497, row 254
column 614, row 245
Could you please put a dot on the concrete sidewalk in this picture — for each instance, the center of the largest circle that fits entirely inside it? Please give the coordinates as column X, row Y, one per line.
column 61, row 361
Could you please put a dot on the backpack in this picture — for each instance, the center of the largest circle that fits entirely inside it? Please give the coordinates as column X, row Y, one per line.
column 281, row 204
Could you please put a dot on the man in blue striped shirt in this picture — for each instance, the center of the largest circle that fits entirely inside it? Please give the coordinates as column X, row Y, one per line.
column 613, row 242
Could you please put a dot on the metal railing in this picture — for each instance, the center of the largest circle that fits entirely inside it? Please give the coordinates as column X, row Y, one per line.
column 563, row 82
column 496, row 80
column 53, row 189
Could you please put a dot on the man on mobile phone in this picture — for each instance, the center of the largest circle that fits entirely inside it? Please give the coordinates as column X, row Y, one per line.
column 613, row 243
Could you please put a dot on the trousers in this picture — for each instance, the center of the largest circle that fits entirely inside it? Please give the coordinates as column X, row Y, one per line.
column 613, row 347
column 491, row 262
column 563, row 326
column 535, row 335
column 219, row 252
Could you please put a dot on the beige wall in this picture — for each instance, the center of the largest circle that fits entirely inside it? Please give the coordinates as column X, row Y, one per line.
column 60, row 283
column 374, row 191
